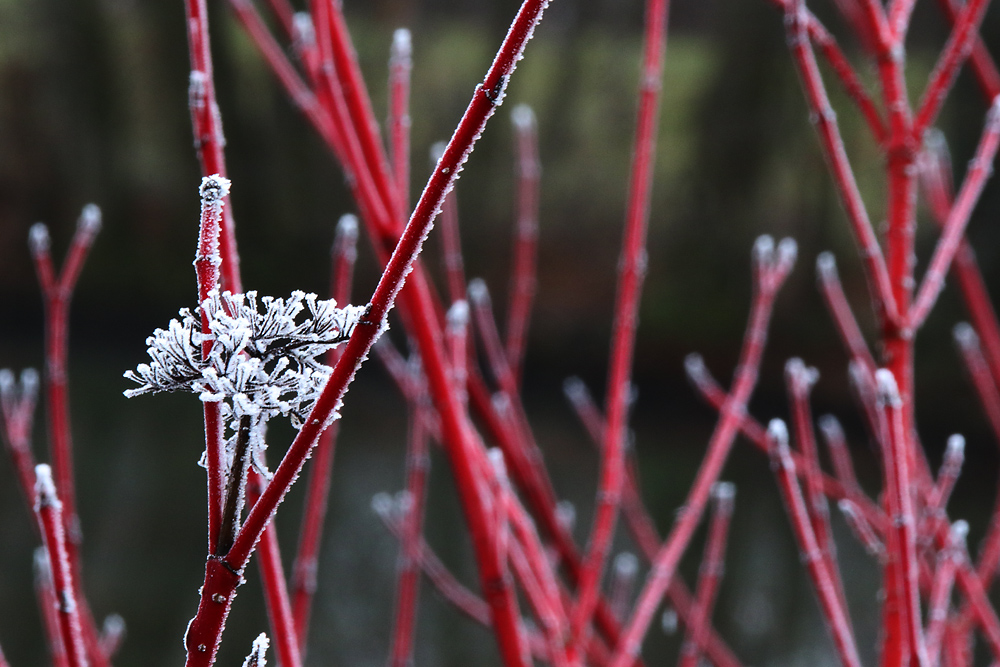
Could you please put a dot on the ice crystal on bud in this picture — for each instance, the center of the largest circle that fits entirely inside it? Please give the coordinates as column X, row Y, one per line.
column 90, row 219
column 38, row 238
column 458, row 315
column 258, row 652
column 45, row 488
column 262, row 360
column 888, row 390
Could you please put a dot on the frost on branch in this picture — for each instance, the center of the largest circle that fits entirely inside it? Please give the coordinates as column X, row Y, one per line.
column 263, row 356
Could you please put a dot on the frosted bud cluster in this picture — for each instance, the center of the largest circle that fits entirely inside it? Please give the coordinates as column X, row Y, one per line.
column 263, row 354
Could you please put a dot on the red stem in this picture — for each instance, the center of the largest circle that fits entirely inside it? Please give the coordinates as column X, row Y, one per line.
column 940, row 597
column 524, row 269
column 632, row 269
column 454, row 267
column 48, row 605
column 400, row 66
column 769, row 273
column 48, row 511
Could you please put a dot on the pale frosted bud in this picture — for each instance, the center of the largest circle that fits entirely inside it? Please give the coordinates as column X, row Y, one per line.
column 348, row 225
column 213, row 188
column 402, row 45
column 993, row 118
column 965, row 335
column 382, row 504
column 694, row 365
column 6, row 384
column 437, row 150
column 831, row 427
column 90, row 220
column 797, row 371
column 956, row 448
column 458, row 315
column 29, row 383
column 788, row 251
column 668, row 621
column 626, row 564
column 302, row 30
column 497, row 463
column 763, row 250
column 574, row 389
column 826, row 266
column 888, row 390
column 958, row 533
column 724, row 493
column 777, row 433
column 566, row 514
column 45, row 488
column 38, row 239
column 479, row 294
column 523, row 117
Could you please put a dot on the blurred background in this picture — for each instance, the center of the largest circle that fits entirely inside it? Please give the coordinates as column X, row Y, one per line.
column 93, row 97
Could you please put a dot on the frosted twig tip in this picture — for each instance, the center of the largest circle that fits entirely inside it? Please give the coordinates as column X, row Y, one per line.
column 830, row 426
column 213, row 188
column 798, row 372
column 826, row 266
column 458, row 315
column 958, row 533
column 479, row 294
column 523, row 117
column 694, row 365
column 497, row 462
column 258, row 654
column 45, row 488
column 965, row 336
column 402, row 44
column 956, row 447
column 574, row 389
column 763, row 250
column 777, row 434
column 668, row 621
column 90, row 219
column 788, row 251
column 566, row 514
column 40, row 561
column 303, row 32
column 993, row 118
column 724, row 493
column 382, row 504
column 38, row 239
column 6, row 383
column 626, row 564
column 347, row 226
column 888, row 390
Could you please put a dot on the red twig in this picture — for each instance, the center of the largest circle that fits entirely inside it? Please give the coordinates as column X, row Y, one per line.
column 48, row 606
column 48, row 511
column 982, row 63
column 523, row 269
column 632, row 269
column 710, row 574
column 963, row 35
column 454, row 266
column 318, row 490
column 257, row 653
column 940, row 598
column 954, row 229
column 400, row 65
column 951, row 467
column 18, row 406
column 770, row 270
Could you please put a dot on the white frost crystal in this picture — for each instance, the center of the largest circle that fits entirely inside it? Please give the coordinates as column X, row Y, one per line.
column 263, row 356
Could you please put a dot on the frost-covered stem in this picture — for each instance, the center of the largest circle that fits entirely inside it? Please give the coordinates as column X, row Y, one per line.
column 18, row 406
column 902, row 564
column 951, row 468
column 400, row 66
column 847, row 326
column 769, row 273
column 258, row 653
column 899, row 18
column 953, row 230
column 359, row 107
column 643, row 528
column 755, row 433
column 833, row 610
column 824, row 118
column 836, row 444
column 443, row 581
column 418, row 463
column 57, row 292
column 48, row 512
column 980, row 60
column 710, row 573
column 454, row 265
column 458, row 346
column 489, row 337
column 524, row 268
column 48, row 606
column 862, row 530
column 206, row 628
column 206, row 122
column 318, row 489
column 632, row 269
column 272, row 576
column 799, row 380
column 964, row 32
column 214, row 190
column 940, row 597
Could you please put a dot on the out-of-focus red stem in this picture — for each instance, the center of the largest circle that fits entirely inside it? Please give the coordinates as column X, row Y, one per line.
column 454, row 265
column 769, row 273
column 523, row 269
column 48, row 606
column 418, row 463
column 48, row 512
column 940, row 597
column 980, row 60
column 710, row 573
column 834, row 612
column 632, row 269
column 954, row 229
column 318, row 489
column 836, row 300
column 206, row 123
column 965, row 31
column 400, row 66
column 18, row 406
